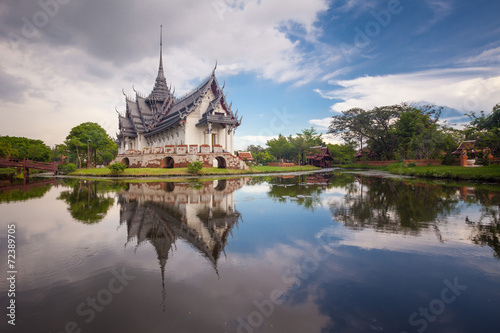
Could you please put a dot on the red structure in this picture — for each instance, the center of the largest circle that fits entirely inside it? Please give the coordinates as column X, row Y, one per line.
column 28, row 164
column 319, row 157
column 245, row 155
column 468, row 147
column 364, row 152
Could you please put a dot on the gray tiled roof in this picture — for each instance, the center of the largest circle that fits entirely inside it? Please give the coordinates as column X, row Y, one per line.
column 161, row 110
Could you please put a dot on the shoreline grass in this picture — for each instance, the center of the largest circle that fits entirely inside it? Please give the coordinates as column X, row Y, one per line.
column 484, row 173
column 160, row 172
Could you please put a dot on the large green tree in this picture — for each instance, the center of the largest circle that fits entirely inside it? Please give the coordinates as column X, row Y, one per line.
column 92, row 137
column 280, row 147
column 375, row 127
column 418, row 133
column 396, row 131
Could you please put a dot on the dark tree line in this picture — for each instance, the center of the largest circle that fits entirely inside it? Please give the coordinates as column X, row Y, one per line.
column 394, row 132
column 87, row 141
column 295, row 148
column 19, row 147
column 485, row 129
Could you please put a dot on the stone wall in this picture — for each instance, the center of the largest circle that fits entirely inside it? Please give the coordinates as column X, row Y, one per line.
column 423, row 162
column 376, row 163
column 185, row 155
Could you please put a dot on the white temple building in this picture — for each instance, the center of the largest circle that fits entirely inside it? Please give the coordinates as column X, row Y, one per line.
column 184, row 129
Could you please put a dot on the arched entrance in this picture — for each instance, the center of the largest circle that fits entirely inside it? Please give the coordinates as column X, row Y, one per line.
column 126, row 161
column 168, row 186
column 221, row 162
column 220, row 185
column 167, row 162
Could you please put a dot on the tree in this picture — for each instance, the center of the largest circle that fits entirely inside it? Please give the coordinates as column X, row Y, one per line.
column 58, row 152
column 255, row 149
column 397, row 131
column 7, row 151
column 102, row 148
column 303, row 142
column 417, row 131
column 279, row 147
column 376, row 126
column 20, row 147
column 485, row 129
column 342, row 153
column 293, row 147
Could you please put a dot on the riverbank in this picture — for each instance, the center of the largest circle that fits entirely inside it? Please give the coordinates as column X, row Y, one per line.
column 182, row 172
column 483, row 173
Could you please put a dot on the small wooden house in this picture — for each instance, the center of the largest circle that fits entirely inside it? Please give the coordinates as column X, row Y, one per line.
column 319, row 157
column 468, row 147
column 364, row 152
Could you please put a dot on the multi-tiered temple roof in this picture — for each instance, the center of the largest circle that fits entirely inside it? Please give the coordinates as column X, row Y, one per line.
column 161, row 110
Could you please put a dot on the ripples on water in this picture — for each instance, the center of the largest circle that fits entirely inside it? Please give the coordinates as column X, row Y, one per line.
column 309, row 253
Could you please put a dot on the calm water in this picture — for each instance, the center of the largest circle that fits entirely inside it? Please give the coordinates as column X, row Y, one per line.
column 313, row 253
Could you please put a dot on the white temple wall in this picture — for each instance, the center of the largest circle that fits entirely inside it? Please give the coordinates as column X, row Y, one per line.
column 194, row 135
column 141, row 142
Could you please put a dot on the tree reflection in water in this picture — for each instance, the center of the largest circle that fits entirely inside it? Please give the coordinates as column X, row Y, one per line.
column 304, row 189
column 89, row 201
column 486, row 229
column 394, row 206
column 401, row 206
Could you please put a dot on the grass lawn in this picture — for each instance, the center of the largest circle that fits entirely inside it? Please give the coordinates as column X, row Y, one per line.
column 265, row 168
column 137, row 172
column 490, row 172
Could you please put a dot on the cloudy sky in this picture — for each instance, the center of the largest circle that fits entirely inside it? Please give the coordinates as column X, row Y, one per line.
column 287, row 65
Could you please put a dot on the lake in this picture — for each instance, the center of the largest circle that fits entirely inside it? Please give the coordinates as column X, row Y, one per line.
column 319, row 252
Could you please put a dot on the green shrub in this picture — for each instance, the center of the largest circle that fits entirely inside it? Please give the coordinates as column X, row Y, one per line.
column 68, row 168
column 195, row 167
column 411, row 165
column 117, row 167
column 482, row 158
column 449, row 159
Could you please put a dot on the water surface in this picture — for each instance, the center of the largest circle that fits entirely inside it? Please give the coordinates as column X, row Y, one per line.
column 310, row 253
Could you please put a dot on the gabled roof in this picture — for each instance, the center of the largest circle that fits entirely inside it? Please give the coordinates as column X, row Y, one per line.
column 465, row 145
column 245, row 155
column 364, row 151
column 161, row 110
column 319, row 153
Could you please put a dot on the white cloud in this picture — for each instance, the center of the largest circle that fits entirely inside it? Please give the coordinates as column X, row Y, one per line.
column 465, row 89
column 72, row 73
column 321, row 124
column 487, row 56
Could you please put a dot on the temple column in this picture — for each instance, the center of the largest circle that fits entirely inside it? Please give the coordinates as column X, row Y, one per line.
column 208, row 134
column 231, row 143
column 226, row 134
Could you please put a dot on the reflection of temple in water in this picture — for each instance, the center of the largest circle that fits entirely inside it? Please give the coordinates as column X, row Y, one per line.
column 319, row 179
column 160, row 213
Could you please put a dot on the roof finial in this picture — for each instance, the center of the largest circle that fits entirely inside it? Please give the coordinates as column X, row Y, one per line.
column 213, row 72
column 161, row 49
